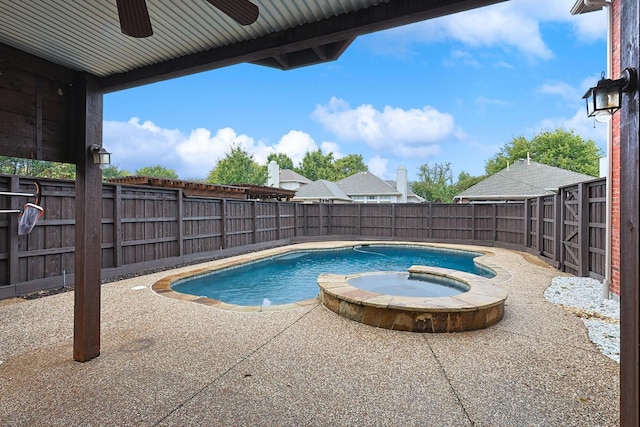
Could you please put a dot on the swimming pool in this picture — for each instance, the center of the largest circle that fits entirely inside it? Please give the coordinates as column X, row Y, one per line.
column 293, row 276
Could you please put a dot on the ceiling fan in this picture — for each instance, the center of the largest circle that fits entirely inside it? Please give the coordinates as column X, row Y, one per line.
column 135, row 22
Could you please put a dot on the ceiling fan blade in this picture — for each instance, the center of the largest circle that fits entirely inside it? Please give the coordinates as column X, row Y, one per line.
column 134, row 18
column 242, row 11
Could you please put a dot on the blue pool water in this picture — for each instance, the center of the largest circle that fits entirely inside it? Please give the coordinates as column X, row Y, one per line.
column 293, row 277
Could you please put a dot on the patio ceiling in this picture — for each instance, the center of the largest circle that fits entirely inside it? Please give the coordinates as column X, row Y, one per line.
column 193, row 36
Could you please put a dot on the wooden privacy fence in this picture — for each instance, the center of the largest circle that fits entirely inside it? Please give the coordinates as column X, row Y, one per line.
column 145, row 228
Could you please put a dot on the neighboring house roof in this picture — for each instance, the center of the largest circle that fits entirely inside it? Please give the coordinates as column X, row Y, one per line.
column 321, row 190
column 366, row 184
column 287, row 175
column 410, row 192
column 521, row 180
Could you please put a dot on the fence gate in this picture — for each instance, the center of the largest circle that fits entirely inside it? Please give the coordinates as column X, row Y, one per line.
column 571, row 251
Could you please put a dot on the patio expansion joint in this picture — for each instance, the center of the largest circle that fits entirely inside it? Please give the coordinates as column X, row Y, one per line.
column 232, row 367
column 444, row 373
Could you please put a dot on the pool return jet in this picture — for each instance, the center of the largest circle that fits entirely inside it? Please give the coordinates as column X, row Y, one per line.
column 30, row 212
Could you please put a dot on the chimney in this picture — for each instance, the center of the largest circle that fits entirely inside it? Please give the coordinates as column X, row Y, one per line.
column 273, row 178
column 402, row 184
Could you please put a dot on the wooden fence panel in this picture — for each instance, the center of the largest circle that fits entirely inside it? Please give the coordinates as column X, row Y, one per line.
column 570, row 237
column 345, row 219
column 239, row 223
column 149, row 224
column 142, row 224
column 410, row 221
column 484, row 222
column 312, row 220
column 203, row 223
column 451, row 221
column 510, row 223
column 48, row 250
column 376, row 220
column 287, row 220
column 266, row 222
column 597, row 236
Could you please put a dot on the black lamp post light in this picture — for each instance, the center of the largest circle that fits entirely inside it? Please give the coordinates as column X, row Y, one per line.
column 605, row 98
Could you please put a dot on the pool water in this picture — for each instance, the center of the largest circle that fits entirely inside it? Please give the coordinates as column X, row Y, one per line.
column 293, row 276
column 404, row 285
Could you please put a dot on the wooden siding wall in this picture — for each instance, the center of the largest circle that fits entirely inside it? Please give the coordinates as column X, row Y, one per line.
column 149, row 228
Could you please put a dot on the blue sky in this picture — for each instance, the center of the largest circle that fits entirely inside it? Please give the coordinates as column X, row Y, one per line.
column 453, row 89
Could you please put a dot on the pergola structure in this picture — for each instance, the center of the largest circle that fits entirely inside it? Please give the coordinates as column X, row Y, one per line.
column 58, row 59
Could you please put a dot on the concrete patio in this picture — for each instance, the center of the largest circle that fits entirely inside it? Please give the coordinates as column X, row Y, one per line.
column 166, row 361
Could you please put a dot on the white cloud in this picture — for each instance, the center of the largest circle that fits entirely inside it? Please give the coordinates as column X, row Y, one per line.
column 134, row 145
column 512, row 25
column 199, row 153
column 562, row 89
column 331, row 147
column 401, row 132
column 295, row 144
column 378, row 166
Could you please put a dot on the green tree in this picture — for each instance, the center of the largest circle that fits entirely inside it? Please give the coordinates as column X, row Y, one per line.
column 283, row 160
column 559, row 148
column 316, row 165
column 157, row 171
column 238, row 167
column 435, row 182
column 348, row 165
column 36, row 168
column 113, row 171
column 465, row 181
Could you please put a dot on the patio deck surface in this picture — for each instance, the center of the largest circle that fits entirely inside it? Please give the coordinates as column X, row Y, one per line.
column 166, row 361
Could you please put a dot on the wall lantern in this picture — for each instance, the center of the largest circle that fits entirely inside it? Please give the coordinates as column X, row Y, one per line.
column 605, row 99
column 101, row 157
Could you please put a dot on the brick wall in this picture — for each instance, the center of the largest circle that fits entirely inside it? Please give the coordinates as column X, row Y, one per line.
column 615, row 156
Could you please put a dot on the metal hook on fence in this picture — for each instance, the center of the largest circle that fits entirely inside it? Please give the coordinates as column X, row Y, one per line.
column 10, row 193
column 30, row 213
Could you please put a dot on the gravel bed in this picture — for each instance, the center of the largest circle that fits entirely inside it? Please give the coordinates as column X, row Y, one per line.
column 583, row 297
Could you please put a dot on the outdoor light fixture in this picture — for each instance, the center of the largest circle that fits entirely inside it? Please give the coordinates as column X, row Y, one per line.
column 605, row 99
column 101, row 157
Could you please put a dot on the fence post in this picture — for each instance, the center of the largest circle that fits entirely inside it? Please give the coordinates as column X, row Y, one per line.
column 117, row 225
column 560, row 211
column 329, row 218
column 295, row 219
column 494, row 224
column 304, row 220
column 527, row 223
column 180, row 221
column 223, row 224
column 13, row 236
column 393, row 220
column 540, row 223
column 360, row 219
column 430, row 221
column 277, row 220
column 254, row 221
column 583, row 239
column 473, row 222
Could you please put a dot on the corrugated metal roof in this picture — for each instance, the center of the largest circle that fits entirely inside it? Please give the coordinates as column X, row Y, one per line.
column 85, row 35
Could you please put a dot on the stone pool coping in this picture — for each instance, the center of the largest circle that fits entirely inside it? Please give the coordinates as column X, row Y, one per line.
column 164, row 286
column 479, row 307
